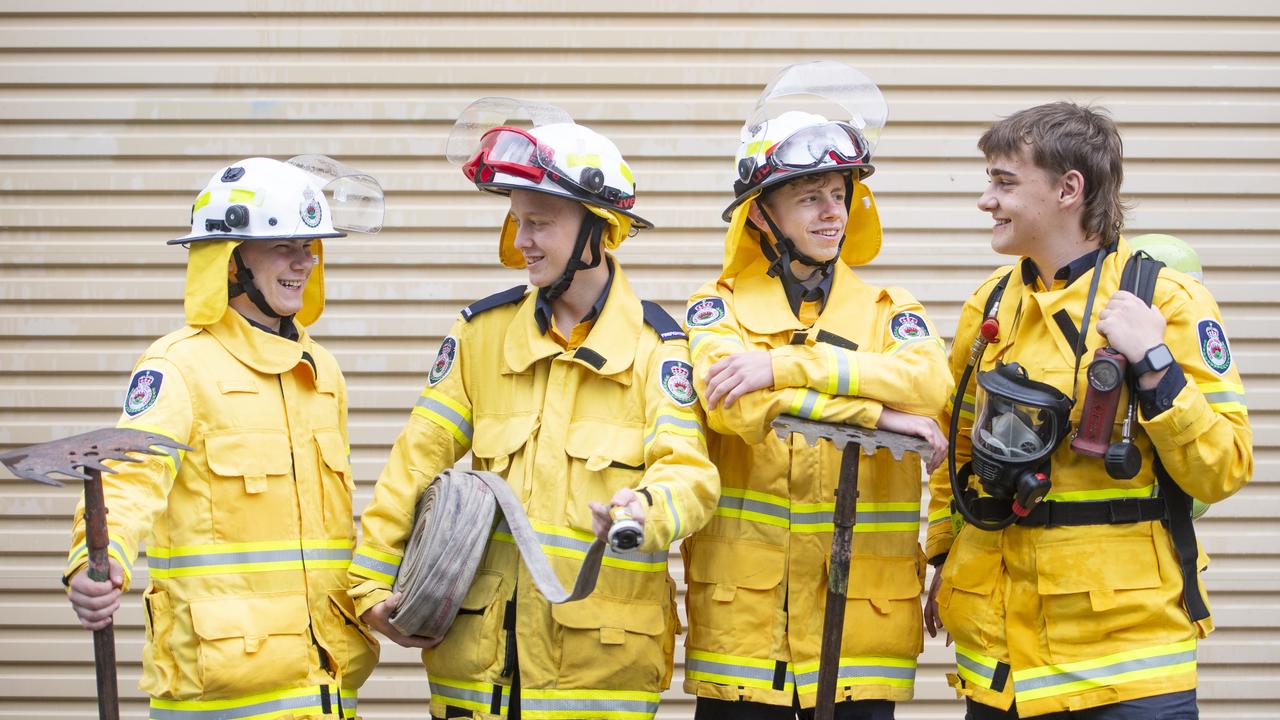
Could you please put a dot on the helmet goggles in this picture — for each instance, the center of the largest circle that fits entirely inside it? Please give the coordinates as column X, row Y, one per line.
column 515, row 152
column 833, row 142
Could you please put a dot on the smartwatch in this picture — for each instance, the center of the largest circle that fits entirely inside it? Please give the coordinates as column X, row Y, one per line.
column 1157, row 358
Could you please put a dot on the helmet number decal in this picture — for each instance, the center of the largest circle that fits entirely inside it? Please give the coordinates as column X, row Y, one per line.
column 705, row 312
column 444, row 361
column 144, row 390
column 310, row 210
column 676, row 380
column 908, row 326
column 1213, row 346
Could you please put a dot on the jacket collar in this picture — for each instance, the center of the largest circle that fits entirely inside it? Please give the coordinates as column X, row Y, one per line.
column 265, row 352
column 609, row 349
column 761, row 302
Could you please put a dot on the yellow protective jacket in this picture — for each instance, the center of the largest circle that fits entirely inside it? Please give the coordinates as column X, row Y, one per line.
column 1065, row 618
column 248, row 535
column 564, row 428
column 757, row 573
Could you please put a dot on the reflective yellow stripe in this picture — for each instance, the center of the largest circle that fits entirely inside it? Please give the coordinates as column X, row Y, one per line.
column 466, row 694
column 966, row 405
column 295, row 702
column 702, row 341
column 871, row 517
column 242, row 195
column 172, row 457
column 941, row 515
column 1102, row 494
column 1115, row 669
column 580, row 159
column 754, row 506
column 736, row 671
column 679, row 422
column 573, row 544
column 758, row 147
column 975, row 667
column 808, row 404
column 231, row 558
column 543, row 704
column 867, row 670
column 1224, row 397
column 626, row 172
column 117, row 547
column 375, row 565
column 446, row 412
column 201, row 200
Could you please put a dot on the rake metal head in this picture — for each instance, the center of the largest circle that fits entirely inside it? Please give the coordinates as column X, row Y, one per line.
column 839, row 435
column 86, row 451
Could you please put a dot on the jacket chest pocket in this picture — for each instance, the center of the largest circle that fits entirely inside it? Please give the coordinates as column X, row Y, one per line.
column 252, row 644
column 498, row 438
column 335, row 482
column 611, row 642
column 604, row 457
column 250, row 483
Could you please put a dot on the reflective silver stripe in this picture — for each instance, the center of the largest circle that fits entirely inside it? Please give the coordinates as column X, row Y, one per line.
column 729, row 502
column 730, row 670
column 671, row 505
column 670, row 420
column 111, row 545
column 986, row 673
column 447, row 413
column 698, row 337
column 1022, row 685
column 176, row 454
column 813, row 517
column 551, row 540
column 484, row 698
column 842, row 364
column 849, row 672
column 312, row 701
column 864, row 517
column 246, row 558
column 806, row 407
column 1226, row 396
column 378, row 566
column 583, row 705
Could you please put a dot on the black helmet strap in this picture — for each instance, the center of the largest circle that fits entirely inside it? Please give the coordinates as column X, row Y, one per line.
column 590, row 233
column 244, row 285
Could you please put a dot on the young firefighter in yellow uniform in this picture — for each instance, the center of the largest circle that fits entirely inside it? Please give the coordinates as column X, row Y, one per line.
column 576, row 393
column 1086, row 603
column 248, row 535
column 789, row 328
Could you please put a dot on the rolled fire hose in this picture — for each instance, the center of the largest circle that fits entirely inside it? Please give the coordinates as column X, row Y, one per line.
column 451, row 528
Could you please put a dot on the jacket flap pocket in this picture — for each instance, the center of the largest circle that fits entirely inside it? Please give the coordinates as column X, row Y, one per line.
column 217, row 618
column 237, row 385
column 604, row 443
column 1126, row 563
column 873, row 577
column 253, row 453
column 741, row 563
column 974, row 563
column 484, row 588
column 600, row 612
column 501, row 435
column 333, row 450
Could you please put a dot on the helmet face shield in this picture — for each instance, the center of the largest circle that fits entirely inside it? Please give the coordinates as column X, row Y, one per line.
column 355, row 197
column 828, row 88
column 488, row 113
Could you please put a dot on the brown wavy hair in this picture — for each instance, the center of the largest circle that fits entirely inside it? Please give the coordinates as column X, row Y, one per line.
column 1063, row 136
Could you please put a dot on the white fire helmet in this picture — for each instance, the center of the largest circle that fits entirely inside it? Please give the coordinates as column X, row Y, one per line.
column 308, row 197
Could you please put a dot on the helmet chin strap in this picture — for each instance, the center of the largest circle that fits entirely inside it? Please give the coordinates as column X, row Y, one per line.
column 786, row 252
column 590, row 233
column 244, row 285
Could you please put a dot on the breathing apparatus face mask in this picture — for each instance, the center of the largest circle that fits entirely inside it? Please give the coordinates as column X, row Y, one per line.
column 1018, row 424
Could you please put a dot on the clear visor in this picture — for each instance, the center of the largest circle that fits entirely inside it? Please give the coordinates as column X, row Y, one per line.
column 488, row 113
column 355, row 197
column 1011, row 430
column 812, row 145
column 828, row 88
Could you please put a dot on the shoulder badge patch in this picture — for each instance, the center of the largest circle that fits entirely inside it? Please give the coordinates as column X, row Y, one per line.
column 676, row 380
column 1213, row 346
column 309, row 208
column 444, row 361
column 908, row 326
column 707, row 311
column 144, row 390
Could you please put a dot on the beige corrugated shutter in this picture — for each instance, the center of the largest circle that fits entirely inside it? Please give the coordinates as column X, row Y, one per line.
column 113, row 113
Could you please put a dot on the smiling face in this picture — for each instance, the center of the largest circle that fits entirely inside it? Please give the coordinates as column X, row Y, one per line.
column 280, row 271
column 1026, row 205
column 812, row 211
column 546, row 230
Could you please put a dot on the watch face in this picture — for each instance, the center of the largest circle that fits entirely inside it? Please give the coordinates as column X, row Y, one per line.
column 1159, row 357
